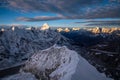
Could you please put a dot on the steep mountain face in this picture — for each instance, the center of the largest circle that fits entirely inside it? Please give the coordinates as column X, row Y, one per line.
column 60, row 63
column 19, row 44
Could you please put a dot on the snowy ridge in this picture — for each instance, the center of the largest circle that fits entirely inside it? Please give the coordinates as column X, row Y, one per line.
column 58, row 59
column 60, row 63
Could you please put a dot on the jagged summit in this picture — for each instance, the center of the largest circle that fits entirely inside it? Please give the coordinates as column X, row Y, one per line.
column 45, row 26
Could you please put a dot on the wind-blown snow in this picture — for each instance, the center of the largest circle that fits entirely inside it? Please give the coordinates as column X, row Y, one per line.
column 60, row 63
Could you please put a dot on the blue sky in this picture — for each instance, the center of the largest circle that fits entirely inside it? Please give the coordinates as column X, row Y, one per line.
column 62, row 13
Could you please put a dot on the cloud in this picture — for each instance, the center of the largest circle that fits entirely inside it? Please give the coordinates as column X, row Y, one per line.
column 98, row 22
column 57, row 6
column 103, row 23
column 71, row 9
column 40, row 18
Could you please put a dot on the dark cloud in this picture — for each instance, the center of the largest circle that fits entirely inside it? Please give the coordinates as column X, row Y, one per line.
column 3, row 3
column 40, row 18
column 57, row 6
column 103, row 23
column 71, row 9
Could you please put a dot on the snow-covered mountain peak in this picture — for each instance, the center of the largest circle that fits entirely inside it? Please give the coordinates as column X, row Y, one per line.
column 45, row 26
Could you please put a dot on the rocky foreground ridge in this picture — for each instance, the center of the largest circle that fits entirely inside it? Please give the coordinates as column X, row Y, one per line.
column 58, row 63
